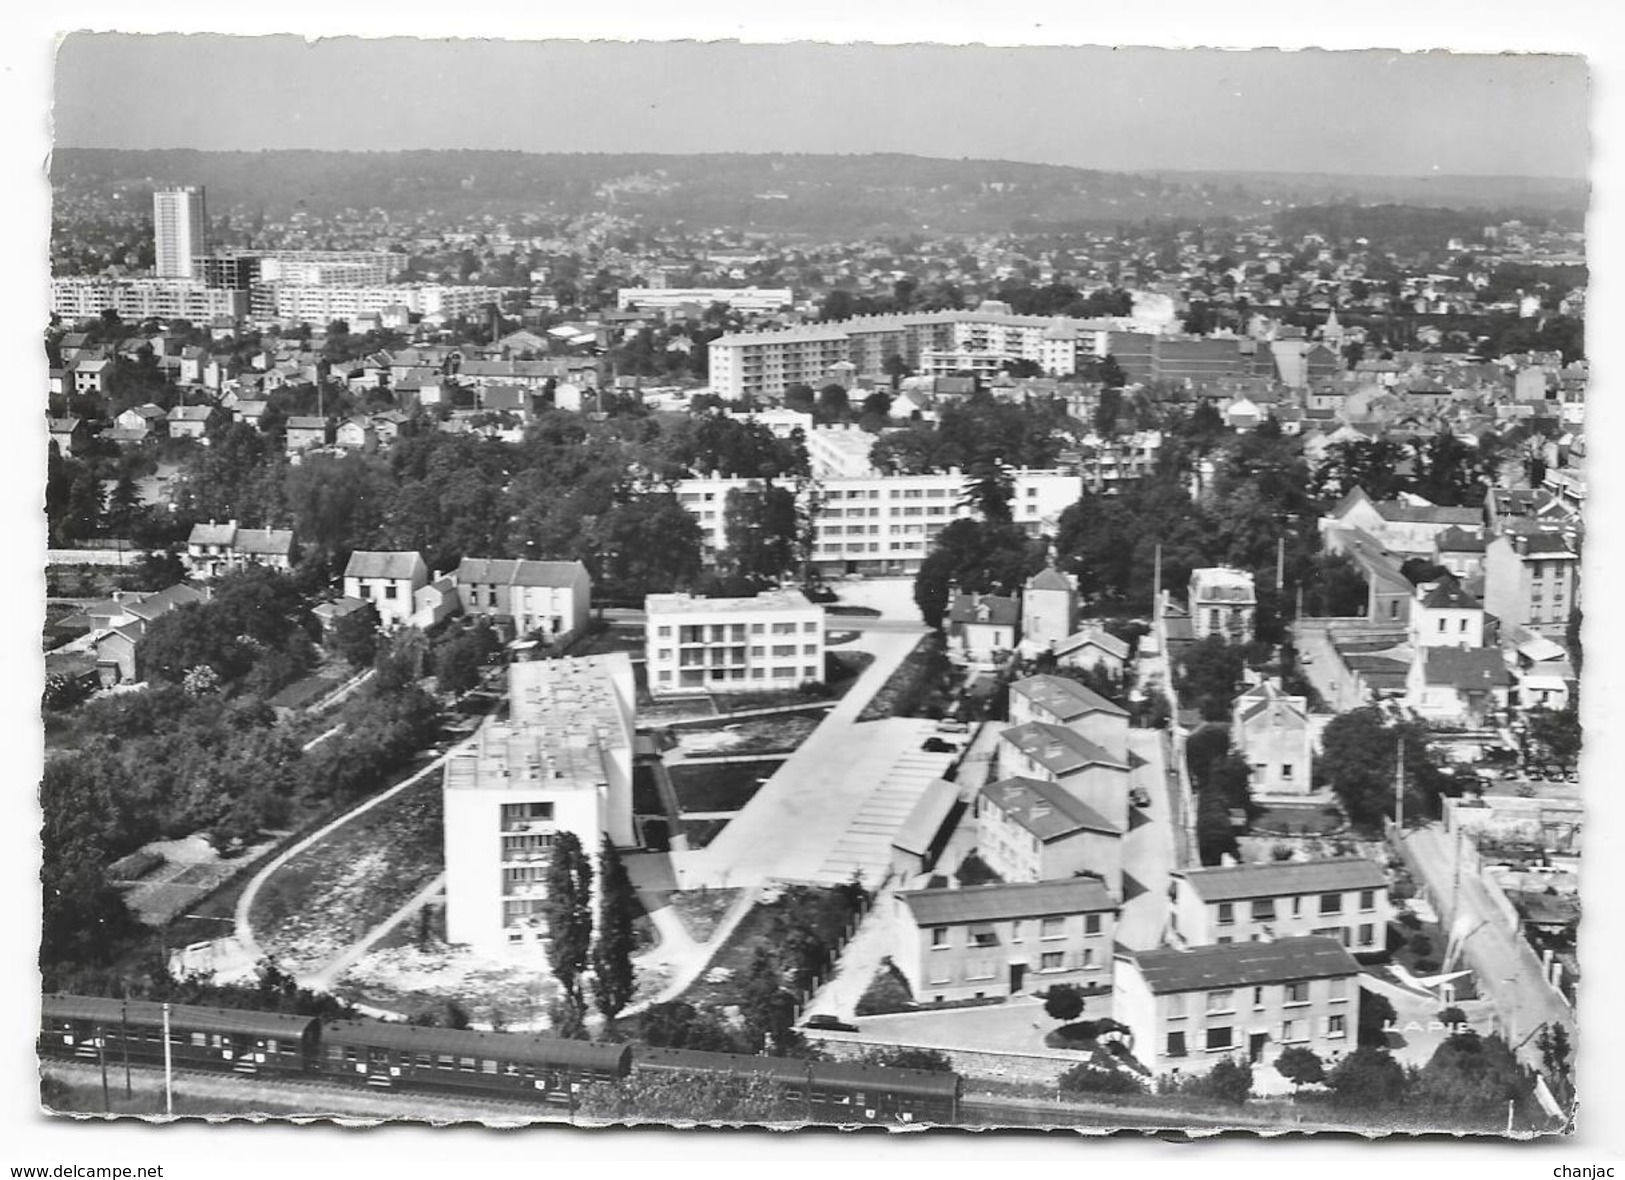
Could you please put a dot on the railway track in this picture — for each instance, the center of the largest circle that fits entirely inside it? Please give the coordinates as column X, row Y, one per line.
column 295, row 1097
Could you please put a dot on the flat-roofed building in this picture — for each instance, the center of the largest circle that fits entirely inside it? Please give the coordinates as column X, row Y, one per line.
column 772, row 641
column 1191, row 1008
column 1341, row 898
column 562, row 762
column 883, row 524
column 1000, row 940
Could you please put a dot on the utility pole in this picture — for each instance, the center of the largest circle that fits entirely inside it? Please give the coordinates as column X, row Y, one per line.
column 1455, row 884
column 101, row 1056
column 169, row 1091
column 1399, row 792
column 1280, row 563
column 124, row 1043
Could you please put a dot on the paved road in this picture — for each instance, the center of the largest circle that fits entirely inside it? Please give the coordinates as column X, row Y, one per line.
column 1149, row 847
column 1506, row 969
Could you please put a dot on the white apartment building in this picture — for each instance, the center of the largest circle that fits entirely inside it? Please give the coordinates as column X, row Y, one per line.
column 840, row 452
column 310, row 303
column 140, row 299
column 180, row 230
column 1190, row 1008
column 561, row 763
column 773, row 641
column 354, row 268
column 884, row 524
column 741, row 299
column 767, row 363
column 1344, row 899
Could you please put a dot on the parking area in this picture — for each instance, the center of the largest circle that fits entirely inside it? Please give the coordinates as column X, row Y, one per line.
column 1018, row 1025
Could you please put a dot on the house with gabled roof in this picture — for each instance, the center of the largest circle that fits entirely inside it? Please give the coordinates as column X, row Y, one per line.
column 989, row 941
column 1095, row 776
column 303, row 433
column 1457, row 686
column 1446, row 615
column 550, row 598
column 982, row 625
column 1341, row 898
column 388, row 580
column 1060, row 700
column 1029, row 829
column 1270, row 729
column 1093, row 647
column 1190, row 1008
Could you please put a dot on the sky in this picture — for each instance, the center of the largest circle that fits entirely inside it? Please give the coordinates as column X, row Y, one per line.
column 1375, row 112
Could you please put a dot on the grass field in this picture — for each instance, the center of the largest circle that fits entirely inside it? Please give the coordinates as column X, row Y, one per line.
column 721, row 786
column 334, row 892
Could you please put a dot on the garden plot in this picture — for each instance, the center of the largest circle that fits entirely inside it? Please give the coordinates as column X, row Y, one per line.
column 512, row 990
column 720, row 786
column 764, row 735
column 329, row 896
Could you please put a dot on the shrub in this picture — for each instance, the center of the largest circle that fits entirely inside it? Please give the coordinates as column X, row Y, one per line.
column 904, row 1057
column 1089, row 1079
column 1409, row 920
column 1452, row 1016
column 887, row 992
column 1063, row 1002
column 1230, row 1080
column 1420, row 945
column 1300, row 1066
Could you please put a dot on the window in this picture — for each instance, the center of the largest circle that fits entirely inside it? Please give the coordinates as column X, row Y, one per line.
column 1264, row 911
column 810, row 627
column 983, row 936
column 1337, row 990
column 1220, row 1038
column 1297, row 906
column 1051, row 961
column 389, row 589
column 1091, row 923
column 1297, row 993
column 1175, row 1009
column 1289, row 1030
column 938, row 971
column 1089, row 957
column 1368, row 899
column 1221, row 1001
column 1286, row 770
column 1331, row 903
column 1227, row 913
column 1176, row 1044
column 1367, row 933
column 980, row 969
column 1337, row 1026
column 1052, row 928
column 939, row 936
column 1258, row 997
column 662, row 632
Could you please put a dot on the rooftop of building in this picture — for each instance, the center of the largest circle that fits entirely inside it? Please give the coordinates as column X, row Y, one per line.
column 1046, row 810
column 1059, row 749
column 1222, row 584
column 518, row 571
column 586, row 693
column 393, row 564
column 1064, row 697
column 766, row 601
column 1243, row 964
column 1468, row 669
column 993, row 903
column 1284, row 878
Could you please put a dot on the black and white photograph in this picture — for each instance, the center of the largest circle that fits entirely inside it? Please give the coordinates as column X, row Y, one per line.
column 809, row 583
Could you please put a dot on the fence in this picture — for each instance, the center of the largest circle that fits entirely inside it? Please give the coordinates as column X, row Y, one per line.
column 987, row 1064
column 804, row 996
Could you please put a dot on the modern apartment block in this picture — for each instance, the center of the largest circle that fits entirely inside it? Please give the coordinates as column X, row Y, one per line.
column 884, row 524
column 773, row 641
column 1001, row 940
column 1344, row 899
column 765, row 364
column 562, row 762
column 740, row 299
column 180, row 229
column 1191, row 1008
column 82, row 298
column 319, row 303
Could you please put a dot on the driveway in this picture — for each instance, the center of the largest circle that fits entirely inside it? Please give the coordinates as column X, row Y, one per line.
column 1016, row 1026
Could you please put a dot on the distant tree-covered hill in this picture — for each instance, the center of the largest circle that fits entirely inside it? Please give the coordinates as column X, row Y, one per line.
column 867, row 194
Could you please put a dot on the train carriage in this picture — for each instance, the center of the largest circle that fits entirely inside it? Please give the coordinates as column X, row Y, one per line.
column 852, row 1092
column 385, row 1055
column 228, row 1039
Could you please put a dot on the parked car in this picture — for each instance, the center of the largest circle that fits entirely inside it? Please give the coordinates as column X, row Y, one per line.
column 828, row 1023
column 935, row 745
column 1140, row 797
column 948, row 725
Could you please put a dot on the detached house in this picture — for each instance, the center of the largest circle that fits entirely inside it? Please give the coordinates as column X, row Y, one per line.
column 214, row 549
column 1031, row 830
column 1191, row 1008
column 1057, row 700
column 390, row 581
column 1000, row 940
column 303, row 433
column 982, row 625
column 1093, row 647
column 190, row 421
column 1271, row 731
column 1343, row 898
column 1458, row 687
column 552, row 598
column 1222, row 602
